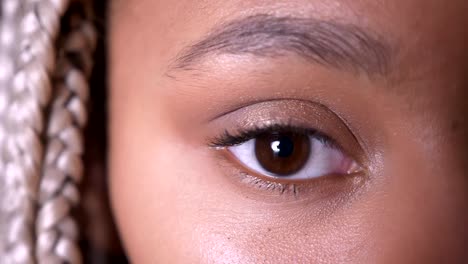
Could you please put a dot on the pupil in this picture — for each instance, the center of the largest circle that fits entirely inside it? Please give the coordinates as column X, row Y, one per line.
column 283, row 147
column 282, row 154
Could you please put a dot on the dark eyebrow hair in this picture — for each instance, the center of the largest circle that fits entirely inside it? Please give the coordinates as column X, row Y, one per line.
column 329, row 43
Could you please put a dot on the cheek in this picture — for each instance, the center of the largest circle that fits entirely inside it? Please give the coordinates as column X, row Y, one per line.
column 424, row 210
column 148, row 197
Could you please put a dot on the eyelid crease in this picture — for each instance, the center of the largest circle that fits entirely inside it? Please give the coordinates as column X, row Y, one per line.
column 267, row 100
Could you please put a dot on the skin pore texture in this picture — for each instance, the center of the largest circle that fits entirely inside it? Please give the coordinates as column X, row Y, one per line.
column 384, row 79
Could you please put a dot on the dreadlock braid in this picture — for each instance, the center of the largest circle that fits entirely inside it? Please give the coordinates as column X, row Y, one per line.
column 39, row 188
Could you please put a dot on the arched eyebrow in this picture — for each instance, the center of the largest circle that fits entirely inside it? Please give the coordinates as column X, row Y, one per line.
column 328, row 43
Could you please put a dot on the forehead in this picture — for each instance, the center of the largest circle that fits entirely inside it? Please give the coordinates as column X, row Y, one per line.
column 364, row 11
column 416, row 22
column 428, row 34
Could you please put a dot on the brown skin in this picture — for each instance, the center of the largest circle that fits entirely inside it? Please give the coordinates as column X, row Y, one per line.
column 176, row 200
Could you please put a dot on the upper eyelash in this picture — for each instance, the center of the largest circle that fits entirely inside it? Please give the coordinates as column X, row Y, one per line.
column 228, row 139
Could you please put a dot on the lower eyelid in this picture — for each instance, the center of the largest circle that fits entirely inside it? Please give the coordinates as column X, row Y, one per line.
column 266, row 188
column 280, row 188
column 320, row 194
column 249, row 181
column 259, row 188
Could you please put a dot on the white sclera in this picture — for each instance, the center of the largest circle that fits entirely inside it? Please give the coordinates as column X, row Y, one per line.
column 323, row 160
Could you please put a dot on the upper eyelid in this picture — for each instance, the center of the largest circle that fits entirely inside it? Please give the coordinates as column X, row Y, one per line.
column 246, row 134
column 250, row 133
column 261, row 101
column 302, row 113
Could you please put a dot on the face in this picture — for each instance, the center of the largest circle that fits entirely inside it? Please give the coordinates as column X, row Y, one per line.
column 296, row 131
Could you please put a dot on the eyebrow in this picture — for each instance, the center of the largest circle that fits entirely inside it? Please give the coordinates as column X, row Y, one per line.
column 328, row 43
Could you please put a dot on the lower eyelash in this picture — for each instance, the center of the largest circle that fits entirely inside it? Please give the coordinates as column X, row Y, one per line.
column 281, row 188
column 245, row 177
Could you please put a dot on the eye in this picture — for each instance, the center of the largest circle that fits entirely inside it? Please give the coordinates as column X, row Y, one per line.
column 292, row 155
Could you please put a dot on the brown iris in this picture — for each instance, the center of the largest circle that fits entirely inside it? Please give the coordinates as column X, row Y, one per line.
column 282, row 153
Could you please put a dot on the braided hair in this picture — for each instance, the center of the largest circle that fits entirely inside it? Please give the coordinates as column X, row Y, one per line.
column 46, row 49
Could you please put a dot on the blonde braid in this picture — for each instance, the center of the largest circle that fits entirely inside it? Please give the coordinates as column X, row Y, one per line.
column 35, row 221
column 28, row 34
column 57, row 230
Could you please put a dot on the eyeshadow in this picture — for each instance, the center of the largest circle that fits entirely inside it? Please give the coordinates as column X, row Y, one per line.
column 297, row 113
